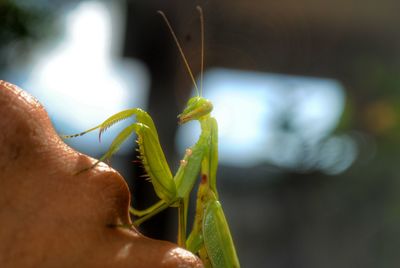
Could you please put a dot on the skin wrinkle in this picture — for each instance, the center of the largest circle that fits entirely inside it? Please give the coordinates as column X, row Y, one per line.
column 50, row 217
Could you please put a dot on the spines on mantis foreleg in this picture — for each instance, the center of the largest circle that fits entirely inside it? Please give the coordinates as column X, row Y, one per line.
column 142, row 117
column 154, row 162
column 115, row 145
column 105, row 125
column 115, row 119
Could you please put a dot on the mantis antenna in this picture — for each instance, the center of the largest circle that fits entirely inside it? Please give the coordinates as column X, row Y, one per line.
column 183, row 54
column 202, row 47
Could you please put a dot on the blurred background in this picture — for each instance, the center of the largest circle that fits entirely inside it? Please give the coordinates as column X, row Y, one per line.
column 306, row 94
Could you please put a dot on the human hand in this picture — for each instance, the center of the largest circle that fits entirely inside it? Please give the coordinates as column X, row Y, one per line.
column 50, row 217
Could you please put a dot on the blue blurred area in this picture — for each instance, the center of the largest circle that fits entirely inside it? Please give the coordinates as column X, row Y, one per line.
column 278, row 119
column 80, row 78
column 98, row 84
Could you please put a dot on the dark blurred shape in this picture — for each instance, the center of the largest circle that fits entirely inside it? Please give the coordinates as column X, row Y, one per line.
column 22, row 24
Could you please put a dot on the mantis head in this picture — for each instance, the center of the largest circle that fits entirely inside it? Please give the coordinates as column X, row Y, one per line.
column 196, row 108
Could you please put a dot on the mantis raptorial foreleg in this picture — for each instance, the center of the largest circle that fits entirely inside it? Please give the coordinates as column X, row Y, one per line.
column 210, row 237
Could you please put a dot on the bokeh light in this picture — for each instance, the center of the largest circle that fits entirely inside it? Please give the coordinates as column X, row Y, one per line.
column 275, row 118
column 81, row 82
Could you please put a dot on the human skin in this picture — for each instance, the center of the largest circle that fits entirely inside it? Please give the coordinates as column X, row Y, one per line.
column 50, row 217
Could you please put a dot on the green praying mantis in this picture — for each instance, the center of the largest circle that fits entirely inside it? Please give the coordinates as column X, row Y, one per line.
column 210, row 237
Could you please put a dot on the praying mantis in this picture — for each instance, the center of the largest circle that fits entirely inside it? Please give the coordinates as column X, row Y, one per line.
column 210, row 236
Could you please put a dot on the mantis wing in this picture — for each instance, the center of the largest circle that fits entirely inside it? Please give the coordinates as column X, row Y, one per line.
column 217, row 237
